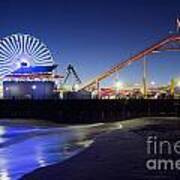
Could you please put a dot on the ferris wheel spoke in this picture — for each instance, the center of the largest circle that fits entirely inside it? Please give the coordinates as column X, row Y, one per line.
column 4, row 57
column 33, row 41
column 44, row 61
column 24, row 43
column 4, row 50
column 36, row 45
column 2, row 54
column 21, row 44
column 17, row 42
column 43, row 57
column 13, row 43
column 28, row 43
column 39, row 49
column 41, row 53
column 17, row 46
column 8, row 45
column 6, row 61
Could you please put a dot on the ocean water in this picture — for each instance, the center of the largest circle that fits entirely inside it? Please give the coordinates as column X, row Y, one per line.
column 29, row 144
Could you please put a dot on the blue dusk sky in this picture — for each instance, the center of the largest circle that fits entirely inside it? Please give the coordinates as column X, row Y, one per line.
column 93, row 35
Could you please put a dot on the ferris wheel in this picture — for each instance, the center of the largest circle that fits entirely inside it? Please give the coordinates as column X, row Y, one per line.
column 22, row 48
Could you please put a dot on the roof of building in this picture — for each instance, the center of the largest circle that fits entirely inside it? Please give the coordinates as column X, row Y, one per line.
column 34, row 69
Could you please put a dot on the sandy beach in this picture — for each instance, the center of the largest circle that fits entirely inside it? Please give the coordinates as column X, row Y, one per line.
column 120, row 154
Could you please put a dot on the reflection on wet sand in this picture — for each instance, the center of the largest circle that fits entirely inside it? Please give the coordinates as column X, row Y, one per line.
column 25, row 146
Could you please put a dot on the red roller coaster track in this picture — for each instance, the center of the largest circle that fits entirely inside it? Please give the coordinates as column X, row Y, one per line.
column 170, row 43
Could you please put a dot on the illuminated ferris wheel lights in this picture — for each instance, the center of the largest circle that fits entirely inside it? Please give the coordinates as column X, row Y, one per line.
column 19, row 49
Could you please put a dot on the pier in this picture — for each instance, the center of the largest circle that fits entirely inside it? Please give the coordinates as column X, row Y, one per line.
column 88, row 111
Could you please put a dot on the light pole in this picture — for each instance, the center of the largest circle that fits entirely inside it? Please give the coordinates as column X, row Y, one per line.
column 33, row 87
column 118, row 87
column 98, row 89
column 144, row 77
column 145, row 84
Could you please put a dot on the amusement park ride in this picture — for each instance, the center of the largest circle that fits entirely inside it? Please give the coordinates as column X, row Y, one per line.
column 170, row 43
column 26, row 68
column 71, row 71
column 26, row 63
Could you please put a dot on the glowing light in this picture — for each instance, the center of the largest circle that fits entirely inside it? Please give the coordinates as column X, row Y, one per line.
column 76, row 87
column 85, row 143
column 136, row 84
column 2, row 130
column 34, row 87
column 155, row 52
column 120, row 126
column 4, row 175
column 40, row 157
column 22, row 48
column 118, row 85
column 178, row 84
column 152, row 83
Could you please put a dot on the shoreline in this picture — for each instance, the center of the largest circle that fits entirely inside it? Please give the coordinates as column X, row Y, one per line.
column 92, row 163
column 120, row 154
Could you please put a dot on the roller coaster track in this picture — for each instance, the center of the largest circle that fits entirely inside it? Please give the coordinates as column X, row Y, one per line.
column 171, row 42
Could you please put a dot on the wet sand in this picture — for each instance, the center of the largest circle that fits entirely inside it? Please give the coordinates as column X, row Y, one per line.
column 39, row 144
column 116, row 155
